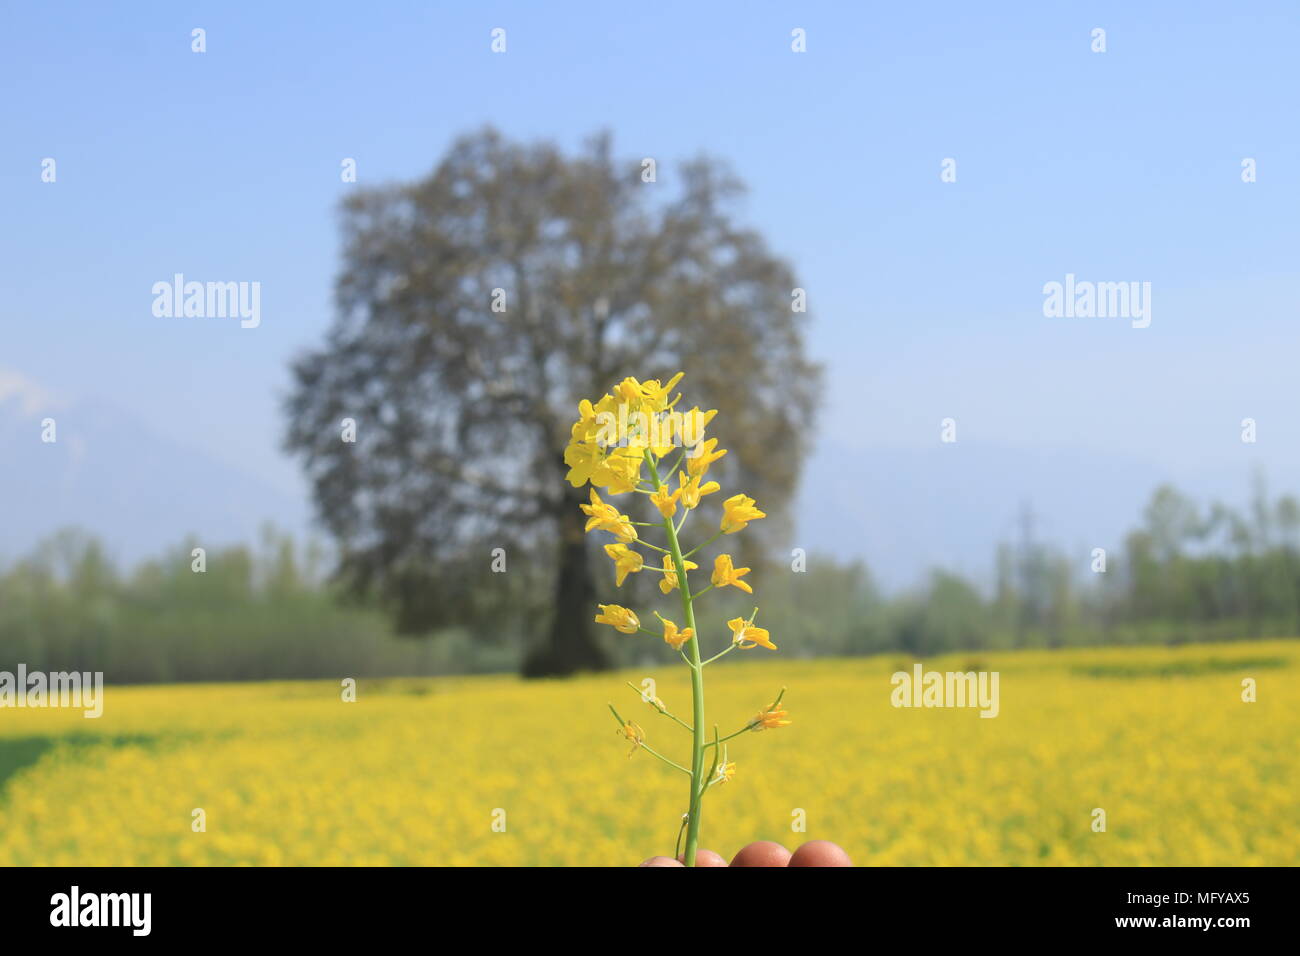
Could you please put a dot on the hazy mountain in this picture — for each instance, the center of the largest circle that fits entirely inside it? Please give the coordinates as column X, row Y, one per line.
column 108, row 473
column 906, row 510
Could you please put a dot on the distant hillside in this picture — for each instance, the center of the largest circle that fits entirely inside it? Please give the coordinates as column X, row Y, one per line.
column 111, row 475
column 905, row 510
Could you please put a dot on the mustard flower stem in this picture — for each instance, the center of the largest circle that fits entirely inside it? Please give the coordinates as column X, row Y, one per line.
column 663, row 710
column 730, row 648
column 743, row 730
column 697, row 681
column 712, row 769
column 673, row 469
column 642, row 745
column 704, row 545
column 654, row 753
column 678, row 720
column 677, row 850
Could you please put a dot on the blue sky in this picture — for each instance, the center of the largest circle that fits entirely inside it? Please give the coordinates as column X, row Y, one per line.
column 1114, row 166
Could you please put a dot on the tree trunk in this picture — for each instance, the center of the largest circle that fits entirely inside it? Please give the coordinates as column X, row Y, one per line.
column 571, row 645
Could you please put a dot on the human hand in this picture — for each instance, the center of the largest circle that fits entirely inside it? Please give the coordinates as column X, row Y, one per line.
column 766, row 853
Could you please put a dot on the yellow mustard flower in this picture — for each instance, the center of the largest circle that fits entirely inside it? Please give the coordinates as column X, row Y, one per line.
column 663, row 435
column 692, row 491
column 675, row 638
column 620, row 472
column 618, row 617
column 606, row 518
column 670, row 573
column 665, row 501
column 737, row 512
column 656, row 395
column 647, row 396
column 699, row 459
column 637, row 423
column 630, row 392
column 626, row 561
column 693, row 424
column 724, row 573
column 583, row 459
column 587, row 427
column 769, row 717
column 746, row 635
column 633, row 733
column 602, row 429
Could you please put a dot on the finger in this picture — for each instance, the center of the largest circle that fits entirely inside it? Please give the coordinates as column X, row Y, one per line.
column 660, row 861
column 705, row 858
column 819, row 853
column 762, row 853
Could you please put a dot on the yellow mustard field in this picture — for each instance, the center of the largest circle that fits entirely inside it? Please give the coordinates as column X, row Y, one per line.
column 498, row 771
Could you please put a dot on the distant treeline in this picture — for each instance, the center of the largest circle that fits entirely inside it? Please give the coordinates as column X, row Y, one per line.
column 1187, row 573
column 252, row 614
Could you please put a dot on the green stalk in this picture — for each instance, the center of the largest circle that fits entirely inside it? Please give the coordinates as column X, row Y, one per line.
column 697, row 683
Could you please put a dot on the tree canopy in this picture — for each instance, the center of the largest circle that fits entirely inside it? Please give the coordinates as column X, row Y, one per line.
column 474, row 308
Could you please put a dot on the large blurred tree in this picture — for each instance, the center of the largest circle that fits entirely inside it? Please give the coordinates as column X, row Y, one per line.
column 474, row 309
